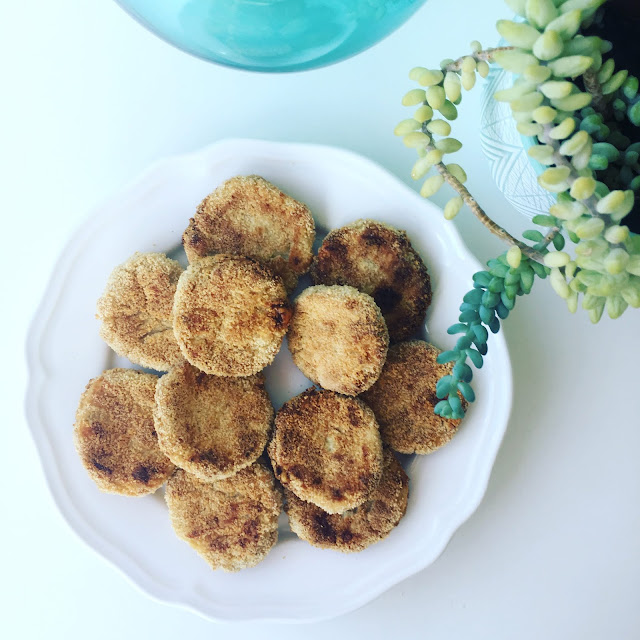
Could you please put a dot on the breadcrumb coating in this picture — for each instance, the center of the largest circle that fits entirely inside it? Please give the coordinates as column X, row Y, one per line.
column 211, row 426
column 326, row 449
column 358, row 528
column 230, row 315
column 378, row 260
column 231, row 523
column 136, row 310
column 249, row 216
column 404, row 397
column 115, row 436
column 338, row 338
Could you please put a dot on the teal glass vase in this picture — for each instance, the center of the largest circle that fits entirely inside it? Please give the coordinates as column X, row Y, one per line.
column 272, row 35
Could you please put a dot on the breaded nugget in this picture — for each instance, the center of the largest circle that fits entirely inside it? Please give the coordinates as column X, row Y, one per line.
column 379, row 260
column 230, row 315
column 115, row 436
column 326, row 448
column 357, row 528
column 404, row 396
column 136, row 310
column 249, row 216
column 231, row 523
column 338, row 338
column 212, row 426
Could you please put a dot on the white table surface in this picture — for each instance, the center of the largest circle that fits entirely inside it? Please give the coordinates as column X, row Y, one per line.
column 88, row 100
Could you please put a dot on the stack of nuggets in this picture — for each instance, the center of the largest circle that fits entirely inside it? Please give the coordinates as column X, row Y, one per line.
column 342, row 489
column 205, row 424
column 379, row 261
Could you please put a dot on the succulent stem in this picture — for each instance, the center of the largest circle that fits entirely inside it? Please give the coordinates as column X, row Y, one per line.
column 479, row 212
column 485, row 54
column 593, row 86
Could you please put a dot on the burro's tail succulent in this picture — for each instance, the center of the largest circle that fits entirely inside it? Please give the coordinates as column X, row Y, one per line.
column 570, row 97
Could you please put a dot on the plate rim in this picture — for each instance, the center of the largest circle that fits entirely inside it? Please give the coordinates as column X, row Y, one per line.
column 36, row 378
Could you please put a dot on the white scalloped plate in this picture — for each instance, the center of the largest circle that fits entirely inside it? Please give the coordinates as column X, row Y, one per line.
column 296, row 582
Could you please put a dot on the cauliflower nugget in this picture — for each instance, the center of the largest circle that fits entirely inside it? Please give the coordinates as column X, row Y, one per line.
column 326, row 449
column 115, row 435
column 404, row 397
column 136, row 310
column 212, row 426
column 249, row 216
column 358, row 528
column 338, row 338
column 231, row 523
column 230, row 315
column 380, row 261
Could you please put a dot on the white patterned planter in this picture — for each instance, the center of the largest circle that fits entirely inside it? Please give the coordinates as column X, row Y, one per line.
column 512, row 169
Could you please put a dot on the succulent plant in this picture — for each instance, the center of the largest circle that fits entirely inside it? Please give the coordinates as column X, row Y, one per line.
column 568, row 95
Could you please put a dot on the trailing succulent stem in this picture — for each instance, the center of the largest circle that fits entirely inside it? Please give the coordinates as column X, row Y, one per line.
column 568, row 95
column 490, row 301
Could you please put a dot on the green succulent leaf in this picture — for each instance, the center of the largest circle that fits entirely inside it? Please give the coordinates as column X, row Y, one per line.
column 544, row 221
column 466, row 391
column 460, row 327
column 502, row 311
column 447, row 356
column 441, row 407
column 584, row 5
column 482, row 277
column 515, row 61
column 567, row 24
column 475, row 357
column 533, row 234
column 518, row 34
column 558, row 242
column 570, row 66
column 481, row 334
column 540, row 12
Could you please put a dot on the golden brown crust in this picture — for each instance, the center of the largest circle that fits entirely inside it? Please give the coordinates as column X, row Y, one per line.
column 404, row 397
column 231, row 523
column 249, row 216
column 115, row 436
column 210, row 426
column 136, row 310
column 358, row 528
column 326, row 449
column 338, row 338
column 230, row 315
column 380, row 261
